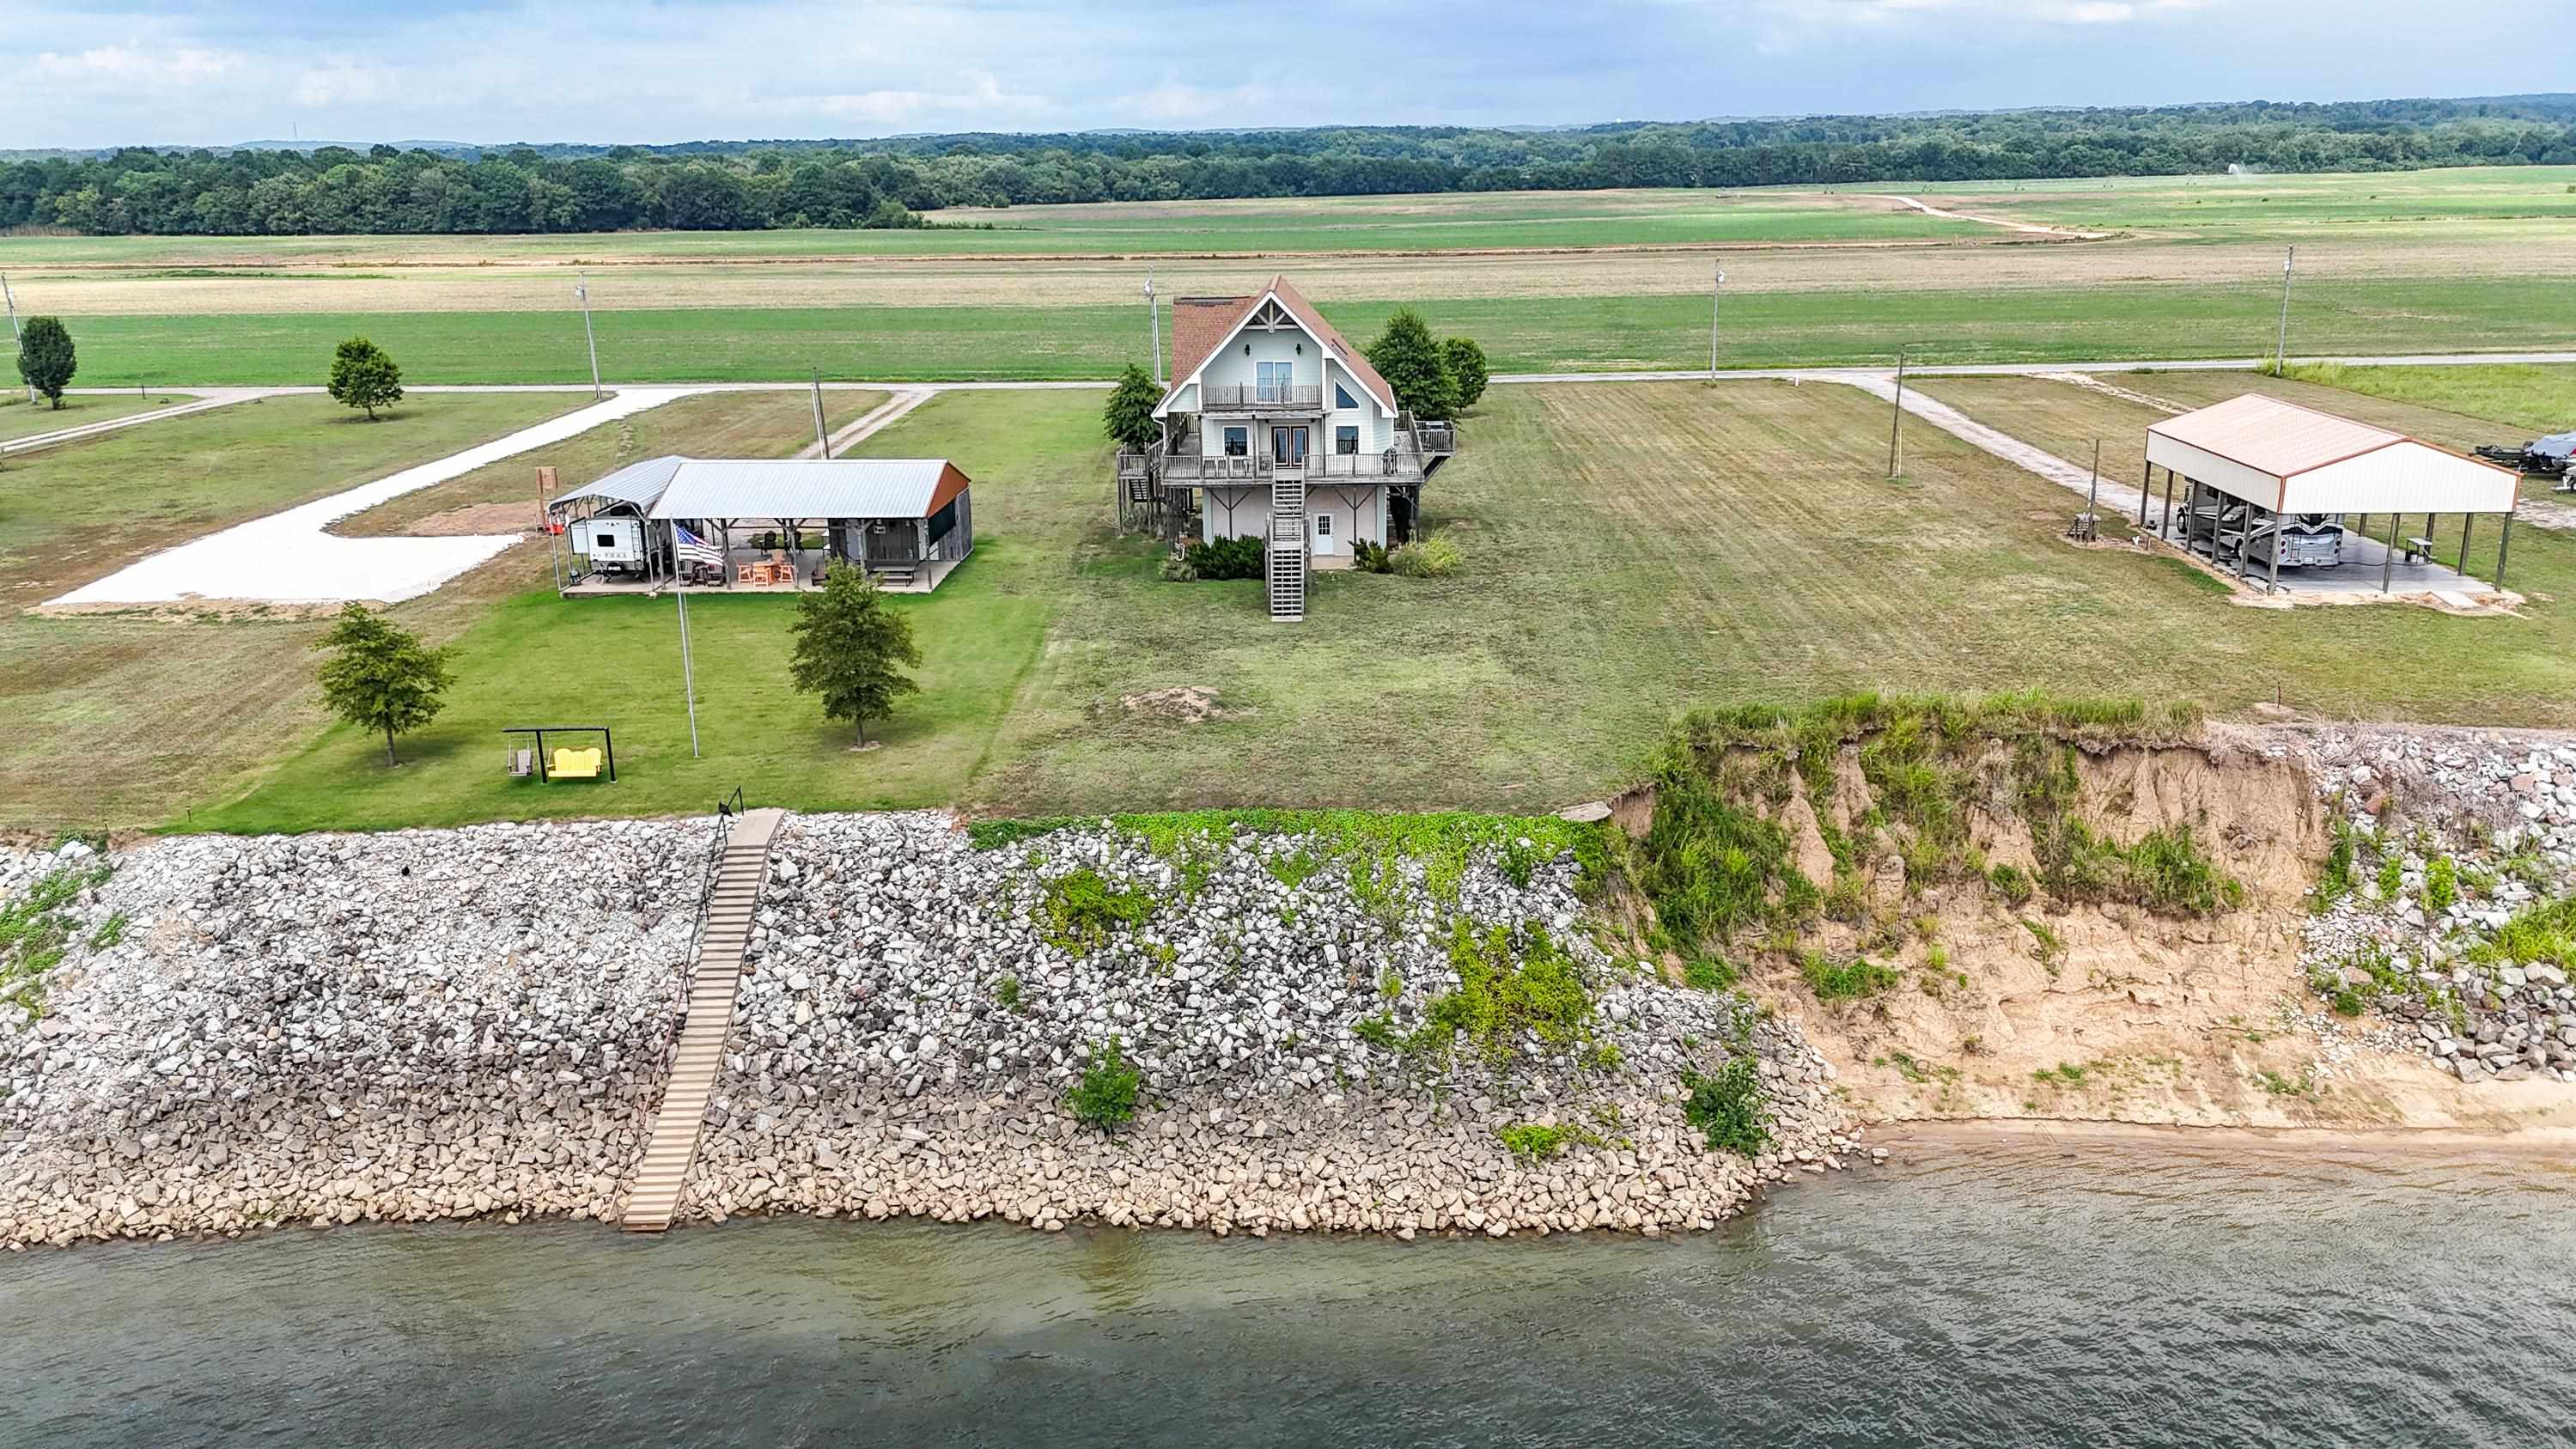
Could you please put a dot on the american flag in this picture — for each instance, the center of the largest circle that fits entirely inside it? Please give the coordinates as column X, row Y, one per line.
column 693, row 549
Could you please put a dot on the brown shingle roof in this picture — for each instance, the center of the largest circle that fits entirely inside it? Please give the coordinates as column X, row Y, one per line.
column 1200, row 325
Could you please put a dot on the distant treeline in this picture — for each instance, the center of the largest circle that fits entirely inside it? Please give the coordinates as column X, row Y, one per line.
column 732, row 186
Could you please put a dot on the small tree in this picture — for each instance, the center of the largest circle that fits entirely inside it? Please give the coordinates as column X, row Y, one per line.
column 849, row 646
column 45, row 357
column 1128, row 416
column 1466, row 363
column 1407, row 357
column 363, row 375
column 380, row 676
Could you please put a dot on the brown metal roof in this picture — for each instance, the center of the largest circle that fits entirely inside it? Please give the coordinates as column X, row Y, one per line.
column 2271, row 436
column 1201, row 325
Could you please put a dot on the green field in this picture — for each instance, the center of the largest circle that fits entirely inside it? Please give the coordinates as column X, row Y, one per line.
column 1630, row 550
column 1442, row 222
column 2269, row 205
column 1536, row 334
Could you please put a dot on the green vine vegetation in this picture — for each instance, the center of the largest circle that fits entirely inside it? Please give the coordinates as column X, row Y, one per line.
column 1371, row 847
column 1509, row 983
column 36, row 931
column 1537, row 1140
column 1083, row 910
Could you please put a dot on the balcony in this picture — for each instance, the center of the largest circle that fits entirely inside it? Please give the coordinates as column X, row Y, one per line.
column 1182, row 470
column 1244, row 397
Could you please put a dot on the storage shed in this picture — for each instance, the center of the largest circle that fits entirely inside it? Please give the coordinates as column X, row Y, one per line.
column 2270, row 485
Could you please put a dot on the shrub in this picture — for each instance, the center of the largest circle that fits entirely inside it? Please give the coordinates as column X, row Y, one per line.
column 1435, row 557
column 1006, row 993
column 2441, row 885
column 1728, row 1107
column 1228, row 558
column 1370, row 558
column 1106, row 1096
column 2392, row 877
column 1378, row 1030
column 1177, row 568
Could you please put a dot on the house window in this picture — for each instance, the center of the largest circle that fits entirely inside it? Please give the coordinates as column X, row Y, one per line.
column 1272, row 379
column 1342, row 397
column 1238, row 442
column 1323, row 525
column 1346, row 440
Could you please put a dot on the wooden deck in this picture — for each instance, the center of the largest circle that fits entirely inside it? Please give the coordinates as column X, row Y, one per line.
column 717, row 973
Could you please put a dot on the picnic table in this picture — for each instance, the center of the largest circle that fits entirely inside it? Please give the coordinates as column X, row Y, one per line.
column 2418, row 550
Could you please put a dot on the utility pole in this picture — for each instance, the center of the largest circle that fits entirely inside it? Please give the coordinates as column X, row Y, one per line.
column 2281, row 350
column 2093, row 488
column 13, row 328
column 1153, row 328
column 581, row 289
column 1896, row 423
column 688, row 681
column 822, row 438
column 1712, row 322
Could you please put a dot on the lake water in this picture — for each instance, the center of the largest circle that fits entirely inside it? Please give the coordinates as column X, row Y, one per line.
column 1976, row 1291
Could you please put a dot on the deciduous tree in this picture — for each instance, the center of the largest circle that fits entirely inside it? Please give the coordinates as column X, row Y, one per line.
column 1128, row 416
column 380, row 676
column 45, row 357
column 364, row 376
column 1466, row 363
column 1407, row 357
column 852, row 649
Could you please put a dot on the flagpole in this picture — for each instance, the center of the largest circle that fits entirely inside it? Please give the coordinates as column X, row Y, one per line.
column 688, row 681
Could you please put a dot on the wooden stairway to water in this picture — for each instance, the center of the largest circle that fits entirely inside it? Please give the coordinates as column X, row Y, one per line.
column 713, row 980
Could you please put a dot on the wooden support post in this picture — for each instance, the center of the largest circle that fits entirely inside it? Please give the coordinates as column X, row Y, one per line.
column 2504, row 546
column 2146, row 485
column 2165, row 526
column 2276, row 551
column 2388, row 560
column 2466, row 519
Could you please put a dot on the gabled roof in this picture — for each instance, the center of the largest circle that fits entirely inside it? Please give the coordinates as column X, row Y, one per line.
column 810, row 488
column 2271, row 436
column 638, row 483
column 1202, row 326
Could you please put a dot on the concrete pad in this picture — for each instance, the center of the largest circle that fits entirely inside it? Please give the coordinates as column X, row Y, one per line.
column 288, row 558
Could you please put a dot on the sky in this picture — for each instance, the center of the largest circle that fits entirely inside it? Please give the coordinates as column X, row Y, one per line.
column 161, row 72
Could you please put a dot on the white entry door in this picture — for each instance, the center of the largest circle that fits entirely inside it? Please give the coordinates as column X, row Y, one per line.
column 1324, row 541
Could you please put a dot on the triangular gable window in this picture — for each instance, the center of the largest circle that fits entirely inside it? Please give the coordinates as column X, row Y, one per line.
column 1342, row 397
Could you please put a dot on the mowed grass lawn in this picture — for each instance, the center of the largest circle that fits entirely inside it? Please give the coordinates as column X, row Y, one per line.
column 1630, row 550
column 120, row 720
column 2106, row 322
column 21, row 419
column 534, row 658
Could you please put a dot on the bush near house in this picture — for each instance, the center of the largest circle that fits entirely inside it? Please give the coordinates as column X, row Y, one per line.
column 1228, row 558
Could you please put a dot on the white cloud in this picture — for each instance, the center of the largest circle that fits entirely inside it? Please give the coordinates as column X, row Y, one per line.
column 340, row 82
column 118, row 66
column 1175, row 101
column 982, row 96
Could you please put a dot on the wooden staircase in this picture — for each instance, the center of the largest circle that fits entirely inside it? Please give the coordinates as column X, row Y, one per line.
column 722, row 937
column 1286, row 556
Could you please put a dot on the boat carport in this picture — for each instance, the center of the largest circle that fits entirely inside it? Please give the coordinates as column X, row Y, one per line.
column 2269, row 484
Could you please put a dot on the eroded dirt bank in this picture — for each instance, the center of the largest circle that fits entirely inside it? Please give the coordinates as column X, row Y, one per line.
column 2347, row 1006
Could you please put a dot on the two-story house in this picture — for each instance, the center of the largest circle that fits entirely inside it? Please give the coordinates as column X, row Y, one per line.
column 1288, row 436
